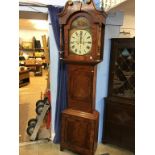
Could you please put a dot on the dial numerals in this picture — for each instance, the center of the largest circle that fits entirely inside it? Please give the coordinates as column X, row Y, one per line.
column 80, row 42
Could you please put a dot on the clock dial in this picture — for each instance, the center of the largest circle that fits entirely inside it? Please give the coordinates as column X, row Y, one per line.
column 80, row 42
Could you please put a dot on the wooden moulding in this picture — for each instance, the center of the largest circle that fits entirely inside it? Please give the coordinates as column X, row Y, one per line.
column 92, row 116
column 69, row 10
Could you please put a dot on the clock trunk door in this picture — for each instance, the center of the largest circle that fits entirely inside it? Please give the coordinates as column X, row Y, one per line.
column 81, row 87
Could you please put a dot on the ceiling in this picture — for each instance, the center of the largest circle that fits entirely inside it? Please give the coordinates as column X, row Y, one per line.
column 106, row 3
column 45, row 2
column 128, row 7
column 33, row 24
column 33, row 15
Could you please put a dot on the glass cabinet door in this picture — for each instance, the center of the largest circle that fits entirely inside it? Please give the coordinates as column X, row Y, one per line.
column 124, row 73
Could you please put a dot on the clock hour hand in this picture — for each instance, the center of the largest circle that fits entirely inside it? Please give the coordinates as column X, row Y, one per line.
column 89, row 42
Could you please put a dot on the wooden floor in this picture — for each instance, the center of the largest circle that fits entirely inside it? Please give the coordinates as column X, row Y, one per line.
column 28, row 95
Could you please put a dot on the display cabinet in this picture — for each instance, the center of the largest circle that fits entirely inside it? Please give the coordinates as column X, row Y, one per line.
column 119, row 119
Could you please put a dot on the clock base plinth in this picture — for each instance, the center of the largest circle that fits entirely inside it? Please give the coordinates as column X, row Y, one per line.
column 79, row 131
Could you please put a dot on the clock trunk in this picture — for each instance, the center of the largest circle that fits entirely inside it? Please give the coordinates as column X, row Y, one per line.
column 81, row 87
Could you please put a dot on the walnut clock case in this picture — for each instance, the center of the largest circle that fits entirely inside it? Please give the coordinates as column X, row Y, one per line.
column 81, row 48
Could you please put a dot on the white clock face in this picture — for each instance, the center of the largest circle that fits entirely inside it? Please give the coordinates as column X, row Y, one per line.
column 80, row 42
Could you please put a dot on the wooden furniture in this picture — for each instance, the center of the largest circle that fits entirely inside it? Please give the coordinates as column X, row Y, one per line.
column 119, row 104
column 82, row 42
column 38, row 68
column 79, row 131
column 81, row 87
column 31, row 50
column 24, row 78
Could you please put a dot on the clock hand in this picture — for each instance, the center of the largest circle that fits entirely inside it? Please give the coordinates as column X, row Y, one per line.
column 86, row 42
column 80, row 38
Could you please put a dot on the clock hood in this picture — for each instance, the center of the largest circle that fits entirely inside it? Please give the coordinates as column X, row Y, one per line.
column 74, row 7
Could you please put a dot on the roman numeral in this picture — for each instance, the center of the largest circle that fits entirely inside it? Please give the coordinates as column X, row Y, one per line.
column 73, row 46
column 85, row 34
column 88, row 47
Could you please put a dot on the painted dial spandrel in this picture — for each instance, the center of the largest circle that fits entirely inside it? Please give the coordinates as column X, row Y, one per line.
column 80, row 42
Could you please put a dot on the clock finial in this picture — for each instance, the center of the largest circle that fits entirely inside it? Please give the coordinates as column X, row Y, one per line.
column 70, row 2
column 88, row 1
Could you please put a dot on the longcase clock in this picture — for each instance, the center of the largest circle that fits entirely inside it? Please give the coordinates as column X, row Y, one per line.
column 82, row 27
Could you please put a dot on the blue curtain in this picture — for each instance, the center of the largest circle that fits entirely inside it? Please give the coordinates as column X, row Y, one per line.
column 61, row 102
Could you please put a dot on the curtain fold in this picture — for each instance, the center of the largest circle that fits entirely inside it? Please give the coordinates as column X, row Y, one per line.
column 61, row 101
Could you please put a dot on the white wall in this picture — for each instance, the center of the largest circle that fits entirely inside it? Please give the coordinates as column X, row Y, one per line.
column 112, row 28
column 54, row 57
column 128, row 26
column 27, row 35
column 129, row 21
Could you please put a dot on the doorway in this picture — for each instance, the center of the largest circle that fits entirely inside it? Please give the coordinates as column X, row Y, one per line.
column 34, row 83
